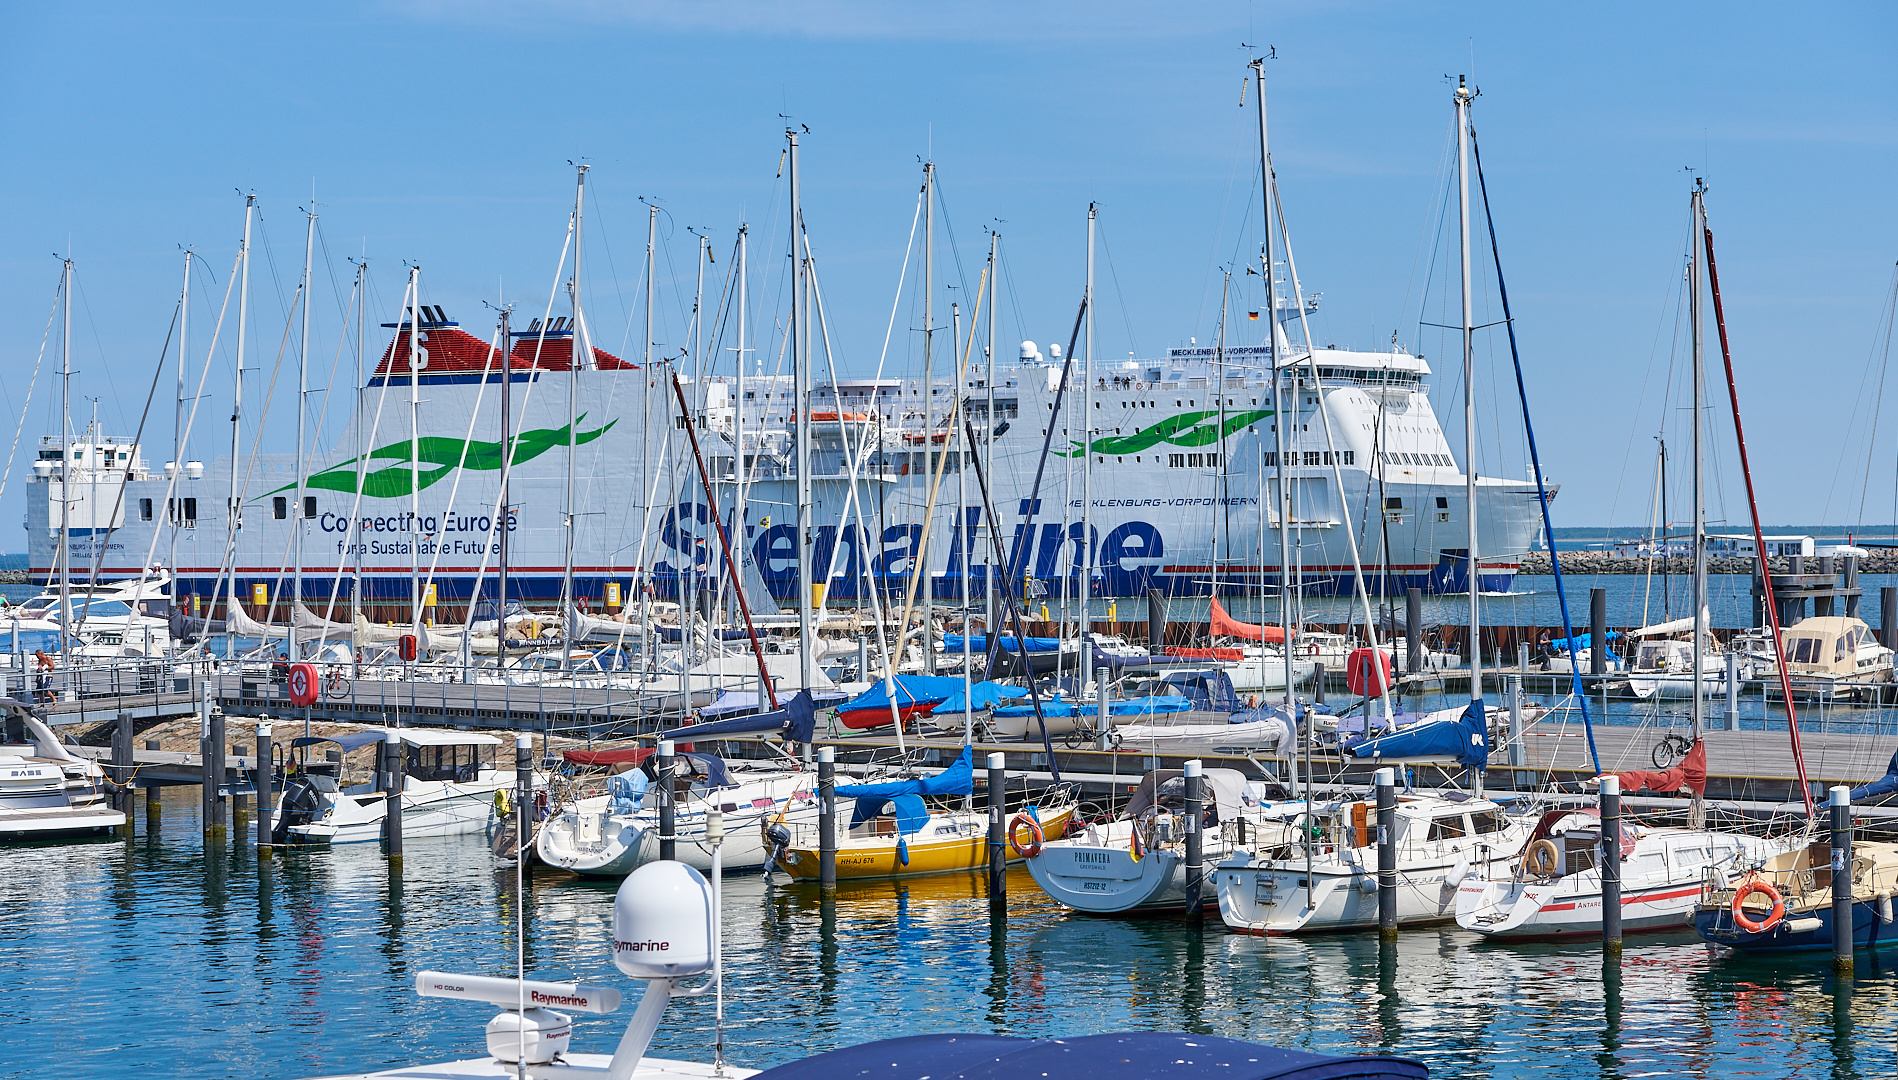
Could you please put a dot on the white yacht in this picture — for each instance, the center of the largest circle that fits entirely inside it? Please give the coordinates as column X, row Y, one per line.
column 1137, row 862
column 613, row 833
column 1326, row 879
column 449, row 781
column 1551, row 886
column 1663, row 666
column 46, row 789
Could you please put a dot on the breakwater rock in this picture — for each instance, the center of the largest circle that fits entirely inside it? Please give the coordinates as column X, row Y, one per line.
column 1603, row 562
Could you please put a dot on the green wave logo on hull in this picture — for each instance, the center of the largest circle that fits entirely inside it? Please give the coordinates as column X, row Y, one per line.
column 1200, row 428
column 426, row 460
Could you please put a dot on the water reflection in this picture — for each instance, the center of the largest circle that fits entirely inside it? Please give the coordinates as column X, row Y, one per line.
column 303, row 965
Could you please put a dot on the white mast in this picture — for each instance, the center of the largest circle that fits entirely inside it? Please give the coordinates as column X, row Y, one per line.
column 645, row 444
column 418, row 360
column 1087, row 463
column 741, row 471
column 233, row 510
column 1463, row 98
column 801, row 383
column 172, row 516
column 569, row 600
column 1699, row 705
column 297, row 521
column 1282, row 416
column 929, row 401
column 65, row 451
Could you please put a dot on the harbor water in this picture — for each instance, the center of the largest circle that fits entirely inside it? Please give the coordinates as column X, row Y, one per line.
column 151, row 956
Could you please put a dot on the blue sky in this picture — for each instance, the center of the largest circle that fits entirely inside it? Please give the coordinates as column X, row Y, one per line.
column 440, row 133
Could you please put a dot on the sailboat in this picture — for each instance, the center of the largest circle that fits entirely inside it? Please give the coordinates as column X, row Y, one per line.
column 1662, row 664
column 895, row 831
column 1553, row 888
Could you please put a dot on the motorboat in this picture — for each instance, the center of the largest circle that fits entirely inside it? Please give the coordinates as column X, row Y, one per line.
column 1324, row 877
column 1829, row 654
column 45, row 789
column 895, row 830
column 1136, row 863
column 449, row 782
column 615, row 832
column 1551, row 886
column 1785, row 903
column 1663, row 666
column 105, row 619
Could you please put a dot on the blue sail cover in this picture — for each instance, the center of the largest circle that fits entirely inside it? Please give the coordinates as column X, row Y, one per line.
column 910, row 689
column 982, row 695
column 1466, row 739
column 797, row 720
column 1138, row 706
column 1884, row 785
column 1132, row 1055
column 957, row 779
column 1582, row 641
column 979, row 643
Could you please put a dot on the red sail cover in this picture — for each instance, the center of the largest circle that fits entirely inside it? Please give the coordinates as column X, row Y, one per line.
column 1691, row 774
column 1225, row 625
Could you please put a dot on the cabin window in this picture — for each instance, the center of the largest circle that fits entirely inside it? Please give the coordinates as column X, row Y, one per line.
column 1839, row 650
column 1805, row 650
column 1449, row 828
column 144, row 509
column 1488, row 821
column 280, row 508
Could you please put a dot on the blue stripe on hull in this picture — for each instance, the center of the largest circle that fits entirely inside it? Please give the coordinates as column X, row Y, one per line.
column 1868, row 930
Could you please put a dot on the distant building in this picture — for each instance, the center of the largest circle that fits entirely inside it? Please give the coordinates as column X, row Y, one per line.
column 1719, row 546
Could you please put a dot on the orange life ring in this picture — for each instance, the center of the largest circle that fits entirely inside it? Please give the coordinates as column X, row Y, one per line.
column 1033, row 847
column 1542, row 858
column 1773, row 917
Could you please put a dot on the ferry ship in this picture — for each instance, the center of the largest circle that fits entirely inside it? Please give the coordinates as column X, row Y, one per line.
column 1153, row 481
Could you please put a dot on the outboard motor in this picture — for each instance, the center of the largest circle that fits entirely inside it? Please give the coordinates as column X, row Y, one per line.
column 302, row 801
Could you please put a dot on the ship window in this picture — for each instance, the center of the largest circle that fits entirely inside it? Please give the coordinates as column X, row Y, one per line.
column 280, row 508
column 1271, row 457
column 191, row 509
column 309, row 506
column 1176, row 461
column 1394, row 503
column 1196, row 461
column 144, row 509
column 1350, row 457
column 1311, row 457
column 1443, row 502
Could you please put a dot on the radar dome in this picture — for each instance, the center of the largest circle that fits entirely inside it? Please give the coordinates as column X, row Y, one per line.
column 662, row 922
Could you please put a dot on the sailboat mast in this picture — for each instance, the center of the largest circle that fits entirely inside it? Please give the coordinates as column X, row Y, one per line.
column 1219, row 380
column 741, row 470
column 178, row 422
column 507, row 465
column 298, row 522
column 929, row 398
column 988, row 437
column 65, row 451
column 233, row 511
column 1086, row 590
column 418, row 359
column 1698, row 707
column 801, row 403
column 569, row 600
column 1282, row 417
column 645, row 444
column 1463, row 98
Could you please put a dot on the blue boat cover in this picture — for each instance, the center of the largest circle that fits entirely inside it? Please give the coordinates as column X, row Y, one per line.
column 979, row 643
column 1582, row 641
column 348, row 741
column 1134, row 1055
column 910, row 689
column 1138, row 706
column 797, row 719
column 982, row 695
column 957, row 779
column 1466, row 738
column 628, row 790
column 1884, row 785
